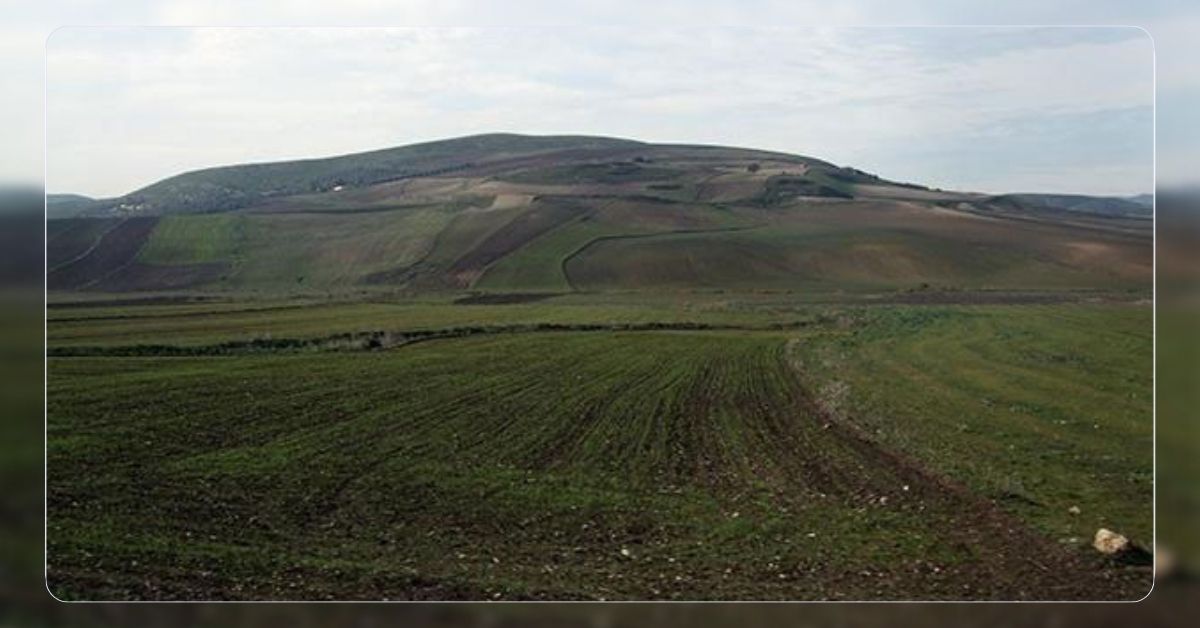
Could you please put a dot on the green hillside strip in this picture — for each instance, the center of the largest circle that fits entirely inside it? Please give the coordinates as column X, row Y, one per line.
column 278, row 252
column 465, row 231
column 827, row 257
column 541, row 217
column 539, row 265
column 473, row 240
column 194, row 239
column 286, row 251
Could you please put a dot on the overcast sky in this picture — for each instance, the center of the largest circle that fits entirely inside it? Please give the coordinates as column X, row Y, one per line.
column 999, row 109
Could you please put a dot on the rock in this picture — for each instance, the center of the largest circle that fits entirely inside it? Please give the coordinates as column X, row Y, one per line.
column 1074, row 510
column 1108, row 542
column 1122, row 549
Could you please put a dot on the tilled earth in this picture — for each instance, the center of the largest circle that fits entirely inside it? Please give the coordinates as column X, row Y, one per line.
column 583, row 465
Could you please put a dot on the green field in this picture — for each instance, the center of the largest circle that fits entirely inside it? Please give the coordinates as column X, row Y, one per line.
column 964, row 390
column 195, row 239
column 706, row 446
column 568, row 367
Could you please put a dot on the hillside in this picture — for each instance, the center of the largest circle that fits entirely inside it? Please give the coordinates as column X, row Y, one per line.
column 513, row 213
column 1137, row 206
column 70, row 205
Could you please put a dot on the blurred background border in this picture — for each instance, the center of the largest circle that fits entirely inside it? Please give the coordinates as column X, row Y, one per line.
column 1174, row 25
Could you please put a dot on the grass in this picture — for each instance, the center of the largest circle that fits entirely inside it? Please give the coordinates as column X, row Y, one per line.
column 505, row 367
column 190, row 324
column 539, row 266
column 614, row 172
column 703, row 464
column 823, row 257
column 195, row 239
column 330, row 250
column 574, row 240
column 1043, row 408
column 231, row 187
column 542, row 263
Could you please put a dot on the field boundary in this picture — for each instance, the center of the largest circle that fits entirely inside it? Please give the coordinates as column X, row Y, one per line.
column 637, row 236
column 380, row 340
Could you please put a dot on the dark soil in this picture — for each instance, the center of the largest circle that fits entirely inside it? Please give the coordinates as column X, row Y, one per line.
column 504, row 298
column 101, row 255
column 116, row 249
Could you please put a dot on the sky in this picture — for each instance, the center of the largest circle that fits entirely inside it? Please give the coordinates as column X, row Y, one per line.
column 987, row 109
column 1064, row 110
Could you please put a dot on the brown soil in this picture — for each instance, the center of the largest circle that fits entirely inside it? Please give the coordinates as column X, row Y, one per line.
column 116, row 249
column 109, row 263
column 512, row 236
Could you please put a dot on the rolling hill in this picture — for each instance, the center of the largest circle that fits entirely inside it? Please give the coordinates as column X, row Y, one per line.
column 515, row 213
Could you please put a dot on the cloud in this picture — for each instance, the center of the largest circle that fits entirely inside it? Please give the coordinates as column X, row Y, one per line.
column 129, row 106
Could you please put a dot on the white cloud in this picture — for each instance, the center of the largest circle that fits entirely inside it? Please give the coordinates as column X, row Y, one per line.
column 1172, row 22
column 129, row 107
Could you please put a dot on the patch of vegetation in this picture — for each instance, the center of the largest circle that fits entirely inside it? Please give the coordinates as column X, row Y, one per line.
column 1045, row 407
column 189, row 324
column 779, row 189
column 331, row 250
column 611, row 172
column 611, row 446
column 233, row 187
column 194, row 239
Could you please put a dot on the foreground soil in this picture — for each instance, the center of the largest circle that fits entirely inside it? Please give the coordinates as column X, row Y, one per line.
column 650, row 462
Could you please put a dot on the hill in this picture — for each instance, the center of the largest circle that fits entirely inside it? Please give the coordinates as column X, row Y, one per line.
column 1136, row 206
column 514, row 213
column 69, row 205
